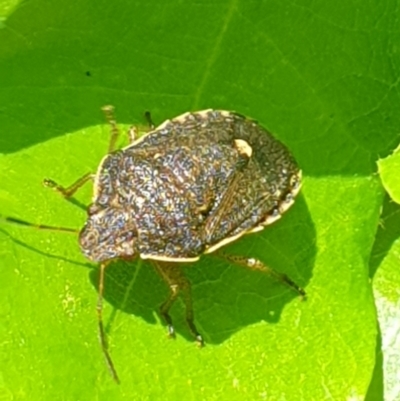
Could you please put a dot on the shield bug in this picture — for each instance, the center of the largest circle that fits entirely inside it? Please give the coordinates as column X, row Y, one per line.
column 186, row 188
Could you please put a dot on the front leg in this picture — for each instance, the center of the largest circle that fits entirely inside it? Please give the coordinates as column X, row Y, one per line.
column 67, row 192
column 179, row 285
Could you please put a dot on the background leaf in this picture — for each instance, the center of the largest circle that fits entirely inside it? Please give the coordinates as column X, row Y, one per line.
column 322, row 76
column 389, row 168
column 386, row 283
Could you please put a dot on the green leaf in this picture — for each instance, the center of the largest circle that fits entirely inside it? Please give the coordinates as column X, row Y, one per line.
column 255, row 326
column 385, row 271
column 389, row 169
column 321, row 76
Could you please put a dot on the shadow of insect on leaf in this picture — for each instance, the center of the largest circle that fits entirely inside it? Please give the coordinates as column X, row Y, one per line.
column 185, row 189
column 37, row 250
column 226, row 297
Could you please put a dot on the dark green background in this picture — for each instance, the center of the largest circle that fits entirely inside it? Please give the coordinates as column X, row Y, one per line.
column 322, row 76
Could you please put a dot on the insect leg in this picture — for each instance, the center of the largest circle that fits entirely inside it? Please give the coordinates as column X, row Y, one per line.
column 102, row 333
column 68, row 191
column 132, row 134
column 178, row 285
column 255, row 264
column 133, row 131
column 109, row 113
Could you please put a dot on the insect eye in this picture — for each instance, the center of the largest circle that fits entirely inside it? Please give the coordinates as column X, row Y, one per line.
column 93, row 209
column 88, row 238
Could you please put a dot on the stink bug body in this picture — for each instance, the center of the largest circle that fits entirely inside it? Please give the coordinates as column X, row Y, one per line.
column 188, row 187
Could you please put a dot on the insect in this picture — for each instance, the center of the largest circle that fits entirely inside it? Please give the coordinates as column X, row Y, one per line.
column 186, row 188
